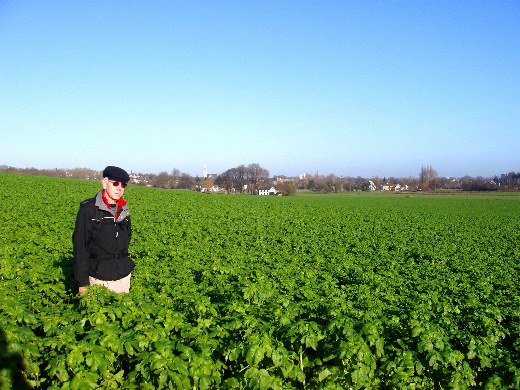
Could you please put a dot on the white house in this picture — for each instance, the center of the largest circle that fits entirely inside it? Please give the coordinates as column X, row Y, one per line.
column 395, row 187
column 267, row 191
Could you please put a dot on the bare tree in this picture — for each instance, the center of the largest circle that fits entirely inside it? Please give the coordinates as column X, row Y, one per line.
column 175, row 178
column 163, row 180
column 230, row 180
column 427, row 177
column 256, row 176
column 411, row 182
column 240, row 177
column 332, row 182
column 378, row 182
column 253, row 177
column 186, row 182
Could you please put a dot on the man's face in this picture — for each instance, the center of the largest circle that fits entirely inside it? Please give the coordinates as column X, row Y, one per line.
column 114, row 189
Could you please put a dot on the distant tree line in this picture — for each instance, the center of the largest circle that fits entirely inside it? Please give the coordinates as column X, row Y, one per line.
column 248, row 179
column 173, row 181
column 76, row 173
column 428, row 180
column 332, row 183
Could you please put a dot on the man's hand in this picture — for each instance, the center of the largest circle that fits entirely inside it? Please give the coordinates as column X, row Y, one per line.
column 81, row 290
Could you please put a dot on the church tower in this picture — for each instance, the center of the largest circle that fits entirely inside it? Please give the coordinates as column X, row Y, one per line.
column 205, row 172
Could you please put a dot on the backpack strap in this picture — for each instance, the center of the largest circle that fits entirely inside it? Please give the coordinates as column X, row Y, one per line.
column 96, row 223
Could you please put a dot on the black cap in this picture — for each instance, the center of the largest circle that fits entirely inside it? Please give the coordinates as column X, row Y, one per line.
column 116, row 173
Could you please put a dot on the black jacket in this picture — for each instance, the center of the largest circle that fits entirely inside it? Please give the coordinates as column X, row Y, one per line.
column 101, row 243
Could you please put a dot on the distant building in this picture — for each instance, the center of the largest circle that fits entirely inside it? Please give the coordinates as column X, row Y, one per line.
column 267, row 191
column 395, row 187
column 208, row 176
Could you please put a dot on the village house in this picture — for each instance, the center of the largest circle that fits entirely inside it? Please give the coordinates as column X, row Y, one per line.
column 267, row 191
column 395, row 187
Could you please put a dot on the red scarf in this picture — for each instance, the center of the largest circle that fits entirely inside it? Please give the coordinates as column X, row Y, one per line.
column 120, row 203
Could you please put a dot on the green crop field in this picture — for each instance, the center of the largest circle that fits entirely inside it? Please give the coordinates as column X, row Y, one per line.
column 363, row 291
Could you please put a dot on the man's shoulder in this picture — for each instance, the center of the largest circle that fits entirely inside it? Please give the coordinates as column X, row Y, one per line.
column 91, row 201
column 88, row 202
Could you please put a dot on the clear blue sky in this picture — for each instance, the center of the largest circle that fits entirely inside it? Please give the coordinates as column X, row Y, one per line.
column 346, row 87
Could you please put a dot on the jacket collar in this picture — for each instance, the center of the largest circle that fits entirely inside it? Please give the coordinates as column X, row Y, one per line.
column 102, row 205
column 120, row 202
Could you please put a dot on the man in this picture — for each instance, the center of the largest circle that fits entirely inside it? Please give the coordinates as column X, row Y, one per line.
column 102, row 236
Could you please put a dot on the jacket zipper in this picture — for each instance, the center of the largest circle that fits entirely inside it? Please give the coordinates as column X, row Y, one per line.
column 117, row 235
